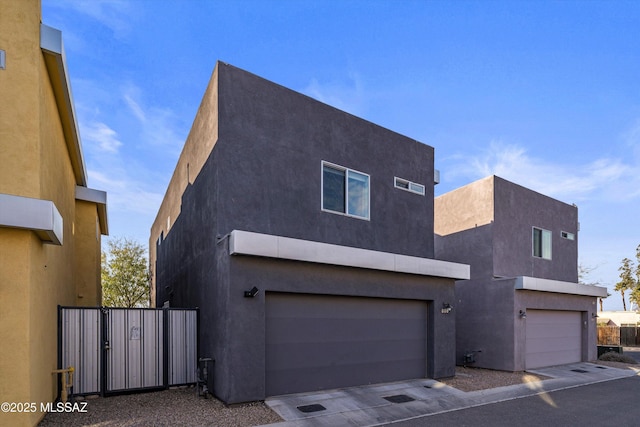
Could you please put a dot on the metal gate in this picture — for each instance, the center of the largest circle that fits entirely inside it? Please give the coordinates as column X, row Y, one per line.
column 116, row 349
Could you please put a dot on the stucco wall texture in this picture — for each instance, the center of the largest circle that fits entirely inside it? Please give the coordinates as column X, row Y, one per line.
column 489, row 224
column 264, row 175
column 36, row 277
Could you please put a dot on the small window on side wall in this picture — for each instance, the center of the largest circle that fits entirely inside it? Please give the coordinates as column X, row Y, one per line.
column 345, row 191
column 567, row 235
column 413, row 187
column 541, row 243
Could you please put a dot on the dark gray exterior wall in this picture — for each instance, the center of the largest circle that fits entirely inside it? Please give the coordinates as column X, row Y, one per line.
column 517, row 211
column 488, row 320
column 272, row 141
column 473, row 246
column 504, row 248
column 487, row 315
column 232, row 327
column 242, row 365
column 485, row 323
column 264, row 175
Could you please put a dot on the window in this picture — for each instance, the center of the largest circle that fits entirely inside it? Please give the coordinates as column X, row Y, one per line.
column 403, row 184
column 541, row 243
column 567, row 235
column 345, row 191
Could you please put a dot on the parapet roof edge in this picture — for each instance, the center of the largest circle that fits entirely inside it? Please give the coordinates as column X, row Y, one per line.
column 55, row 61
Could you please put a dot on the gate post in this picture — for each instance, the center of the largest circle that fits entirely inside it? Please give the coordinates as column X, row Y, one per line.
column 104, row 342
column 165, row 347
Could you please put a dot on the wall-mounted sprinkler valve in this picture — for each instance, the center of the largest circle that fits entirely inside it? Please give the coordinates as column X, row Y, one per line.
column 202, row 387
column 470, row 357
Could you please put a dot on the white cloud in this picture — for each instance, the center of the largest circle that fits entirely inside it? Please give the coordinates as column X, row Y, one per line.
column 130, row 150
column 348, row 96
column 606, row 178
column 100, row 135
column 158, row 126
column 135, row 108
column 113, row 14
column 126, row 194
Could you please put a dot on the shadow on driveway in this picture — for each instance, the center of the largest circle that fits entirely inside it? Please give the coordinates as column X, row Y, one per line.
column 632, row 352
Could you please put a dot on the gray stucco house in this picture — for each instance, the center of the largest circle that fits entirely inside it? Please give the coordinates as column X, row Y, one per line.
column 523, row 307
column 305, row 236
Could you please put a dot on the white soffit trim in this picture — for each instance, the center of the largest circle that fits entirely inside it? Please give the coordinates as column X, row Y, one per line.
column 267, row 245
column 40, row 216
column 56, row 63
column 546, row 285
column 100, row 199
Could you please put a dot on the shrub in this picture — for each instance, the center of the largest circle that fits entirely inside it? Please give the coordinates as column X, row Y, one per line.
column 612, row 356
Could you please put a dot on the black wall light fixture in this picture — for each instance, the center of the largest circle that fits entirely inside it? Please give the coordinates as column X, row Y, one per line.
column 252, row 293
column 446, row 308
column 523, row 314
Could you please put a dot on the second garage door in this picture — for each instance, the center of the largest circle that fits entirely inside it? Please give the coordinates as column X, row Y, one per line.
column 553, row 338
column 317, row 342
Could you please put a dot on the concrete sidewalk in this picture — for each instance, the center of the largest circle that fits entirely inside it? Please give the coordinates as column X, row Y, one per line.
column 386, row 403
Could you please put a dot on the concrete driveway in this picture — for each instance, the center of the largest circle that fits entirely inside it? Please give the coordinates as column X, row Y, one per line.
column 387, row 403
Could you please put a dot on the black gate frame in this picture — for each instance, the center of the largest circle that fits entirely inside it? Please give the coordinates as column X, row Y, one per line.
column 104, row 348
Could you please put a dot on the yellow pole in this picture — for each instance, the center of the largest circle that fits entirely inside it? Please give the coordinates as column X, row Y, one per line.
column 67, row 382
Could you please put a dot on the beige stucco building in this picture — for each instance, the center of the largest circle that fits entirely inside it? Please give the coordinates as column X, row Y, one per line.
column 50, row 221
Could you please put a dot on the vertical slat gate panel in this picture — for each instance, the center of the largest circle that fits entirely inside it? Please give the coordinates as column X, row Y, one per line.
column 183, row 338
column 81, row 347
column 151, row 348
column 135, row 358
column 134, row 351
column 116, row 354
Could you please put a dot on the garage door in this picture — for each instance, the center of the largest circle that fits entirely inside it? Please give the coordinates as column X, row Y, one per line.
column 316, row 342
column 553, row 338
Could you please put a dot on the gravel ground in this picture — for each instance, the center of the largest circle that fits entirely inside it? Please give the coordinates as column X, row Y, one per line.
column 181, row 407
column 473, row 379
column 174, row 407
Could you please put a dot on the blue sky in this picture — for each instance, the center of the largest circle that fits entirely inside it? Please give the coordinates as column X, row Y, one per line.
column 542, row 93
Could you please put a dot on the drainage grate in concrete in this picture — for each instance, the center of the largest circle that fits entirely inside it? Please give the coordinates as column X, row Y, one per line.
column 601, row 367
column 311, row 408
column 427, row 386
column 399, row 398
column 582, row 371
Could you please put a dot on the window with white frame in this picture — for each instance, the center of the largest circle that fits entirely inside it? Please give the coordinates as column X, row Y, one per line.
column 345, row 191
column 403, row 184
column 541, row 243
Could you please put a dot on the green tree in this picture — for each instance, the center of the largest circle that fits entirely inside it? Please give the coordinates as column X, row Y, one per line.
column 627, row 280
column 634, row 296
column 125, row 277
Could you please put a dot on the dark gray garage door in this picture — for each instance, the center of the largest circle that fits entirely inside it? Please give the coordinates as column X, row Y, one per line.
column 316, row 342
column 553, row 338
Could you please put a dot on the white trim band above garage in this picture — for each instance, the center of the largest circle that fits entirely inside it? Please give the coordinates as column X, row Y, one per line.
column 268, row 245
column 40, row 216
column 546, row 285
